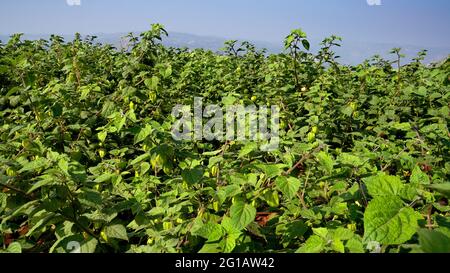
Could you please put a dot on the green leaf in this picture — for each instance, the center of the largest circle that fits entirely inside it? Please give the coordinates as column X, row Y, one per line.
column 210, row 231
column 75, row 244
column 314, row 244
column 140, row 158
column 228, row 100
column 421, row 91
column 432, row 241
column 271, row 170
column 348, row 111
column 34, row 165
column 227, row 192
column 43, row 181
column 57, row 110
column 89, row 245
column 272, row 198
column 228, row 242
column 306, row 44
column 291, row 231
column 143, row 134
column 247, row 149
column 326, row 161
column 354, row 245
column 90, row 198
column 116, row 231
column 41, row 219
column 102, row 136
column 213, row 153
column 351, row 160
column 156, row 211
column 343, row 234
column 168, row 72
column 338, row 246
column 242, row 214
column 288, row 186
column 104, row 177
column 145, row 166
column 14, row 247
column 405, row 126
column 64, row 166
column 288, row 41
column 192, row 176
column 152, row 83
column 388, row 221
column 210, row 248
column 383, row 185
column 443, row 188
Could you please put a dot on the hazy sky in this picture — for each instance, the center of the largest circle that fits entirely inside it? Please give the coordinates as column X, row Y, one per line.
column 415, row 22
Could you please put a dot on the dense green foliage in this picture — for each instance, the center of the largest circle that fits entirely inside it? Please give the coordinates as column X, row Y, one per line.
column 86, row 153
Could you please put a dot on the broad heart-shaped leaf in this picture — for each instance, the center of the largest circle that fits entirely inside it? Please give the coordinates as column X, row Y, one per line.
column 192, row 176
column 326, row 161
column 210, row 231
column 116, row 231
column 242, row 214
column 388, row 221
column 228, row 192
column 228, row 243
column 419, row 177
column 432, row 241
column 102, row 136
column 383, row 185
column 314, row 244
column 288, row 186
column 272, row 170
column 350, row 160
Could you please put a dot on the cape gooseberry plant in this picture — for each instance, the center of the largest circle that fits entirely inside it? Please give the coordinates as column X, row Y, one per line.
column 87, row 158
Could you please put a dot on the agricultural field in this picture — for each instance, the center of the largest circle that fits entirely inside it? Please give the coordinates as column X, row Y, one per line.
column 88, row 161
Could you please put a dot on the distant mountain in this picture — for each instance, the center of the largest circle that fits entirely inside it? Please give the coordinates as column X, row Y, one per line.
column 351, row 52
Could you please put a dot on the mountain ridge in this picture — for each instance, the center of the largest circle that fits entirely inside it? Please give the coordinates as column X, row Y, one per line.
column 351, row 52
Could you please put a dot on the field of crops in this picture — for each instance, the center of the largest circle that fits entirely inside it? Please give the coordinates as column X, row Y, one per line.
column 88, row 162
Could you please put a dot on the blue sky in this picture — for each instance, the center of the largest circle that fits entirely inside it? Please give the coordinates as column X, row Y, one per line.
column 409, row 22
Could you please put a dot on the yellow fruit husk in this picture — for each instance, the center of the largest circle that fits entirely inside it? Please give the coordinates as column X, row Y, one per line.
column 216, row 206
column 214, row 170
column 104, row 236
